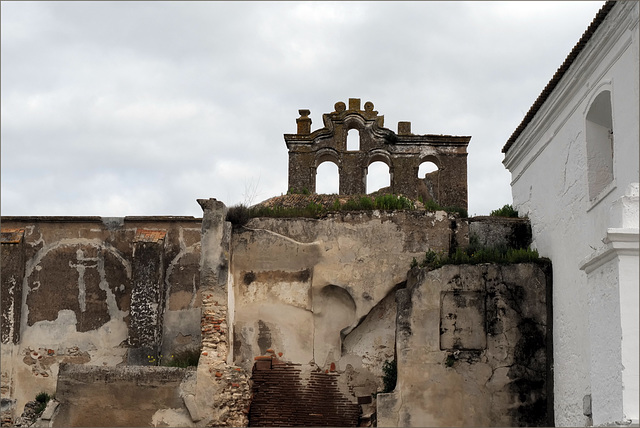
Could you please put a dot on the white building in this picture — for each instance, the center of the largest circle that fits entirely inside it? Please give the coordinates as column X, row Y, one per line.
column 574, row 167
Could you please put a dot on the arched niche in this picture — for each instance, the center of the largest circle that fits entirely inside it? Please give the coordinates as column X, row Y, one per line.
column 334, row 310
column 599, row 139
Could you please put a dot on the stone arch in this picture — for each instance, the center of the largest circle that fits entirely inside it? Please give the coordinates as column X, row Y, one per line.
column 327, row 155
column 375, row 179
column 600, row 143
column 353, row 140
column 327, row 178
column 380, row 156
column 324, row 156
column 354, row 128
column 432, row 159
column 429, row 177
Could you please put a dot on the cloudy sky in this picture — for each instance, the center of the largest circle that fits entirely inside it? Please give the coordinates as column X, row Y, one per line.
column 140, row 108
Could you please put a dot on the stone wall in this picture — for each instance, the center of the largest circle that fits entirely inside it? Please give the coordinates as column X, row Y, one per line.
column 91, row 396
column 222, row 392
column 134, row 291
column 97, row 291
column 474, row 348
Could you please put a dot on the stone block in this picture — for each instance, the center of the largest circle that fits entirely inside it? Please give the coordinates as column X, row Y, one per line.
column 192, row 407
column 48, row 412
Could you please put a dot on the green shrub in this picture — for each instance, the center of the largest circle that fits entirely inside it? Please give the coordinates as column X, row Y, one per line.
column 392, row 202
column 450, row 361
column 505, row 211
column 366, row 203
column 304, row 191
column 475, row 254
column 462, row 213
column 432, row 205
column 238, row 215
column 186, row 358
column 390, row 375
column 42, row 398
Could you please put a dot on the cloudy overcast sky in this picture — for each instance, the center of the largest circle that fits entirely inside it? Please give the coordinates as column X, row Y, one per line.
column 140, row 108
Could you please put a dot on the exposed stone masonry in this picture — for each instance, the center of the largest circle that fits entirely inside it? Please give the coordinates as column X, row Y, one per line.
column 402, row 152
column 223, row 393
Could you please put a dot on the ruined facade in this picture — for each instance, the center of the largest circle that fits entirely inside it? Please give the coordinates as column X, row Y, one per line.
column 403, row 152
column 292, row 319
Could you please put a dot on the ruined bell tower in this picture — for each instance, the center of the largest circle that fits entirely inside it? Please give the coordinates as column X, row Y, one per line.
column 403, row 152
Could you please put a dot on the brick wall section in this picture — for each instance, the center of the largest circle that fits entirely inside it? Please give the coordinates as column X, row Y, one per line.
column 222, row 391
column 283, row 397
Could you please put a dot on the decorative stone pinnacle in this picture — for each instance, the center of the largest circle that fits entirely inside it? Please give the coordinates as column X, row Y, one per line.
column 304, row 122
column 404, row 128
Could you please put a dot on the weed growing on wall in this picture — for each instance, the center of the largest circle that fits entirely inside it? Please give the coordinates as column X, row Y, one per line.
column 42, row 398
column 186, row 358
column 475, row 255
column 432, row 205
column 390, row 375
column 505, row 211
column 239, row 215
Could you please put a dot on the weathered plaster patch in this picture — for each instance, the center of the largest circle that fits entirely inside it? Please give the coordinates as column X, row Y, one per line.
column 172, row 418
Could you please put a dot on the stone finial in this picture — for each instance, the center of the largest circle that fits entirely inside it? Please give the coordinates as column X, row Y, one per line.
column 404, row 128
column 354, row 104
column 304, row 122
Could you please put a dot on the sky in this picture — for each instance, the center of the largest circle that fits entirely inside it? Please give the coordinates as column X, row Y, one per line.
column 126, row 108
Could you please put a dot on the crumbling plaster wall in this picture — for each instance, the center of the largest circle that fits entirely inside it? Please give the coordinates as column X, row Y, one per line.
column 473, row 348
column 318, row 290
column 67, row 284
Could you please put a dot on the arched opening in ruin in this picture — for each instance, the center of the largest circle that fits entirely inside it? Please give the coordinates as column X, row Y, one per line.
column 353, row 140
column 327, row 178
column 599, row 136
column 378, row 176
column 429, row 180
column 426, row 168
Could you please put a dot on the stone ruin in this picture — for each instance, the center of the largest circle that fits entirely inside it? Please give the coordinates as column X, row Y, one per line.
column 403, row 152
column 293, row 318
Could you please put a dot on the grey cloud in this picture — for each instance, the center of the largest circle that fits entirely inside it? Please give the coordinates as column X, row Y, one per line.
column 133, row 108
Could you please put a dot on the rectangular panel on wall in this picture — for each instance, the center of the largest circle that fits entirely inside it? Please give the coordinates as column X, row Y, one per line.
column 147, row 297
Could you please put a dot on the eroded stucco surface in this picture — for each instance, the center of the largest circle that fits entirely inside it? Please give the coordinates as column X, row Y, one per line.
column 321, row 292
column 472, row 348
column 71, row 283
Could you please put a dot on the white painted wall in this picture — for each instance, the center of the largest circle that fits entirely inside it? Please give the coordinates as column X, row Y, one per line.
column 594, row 303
